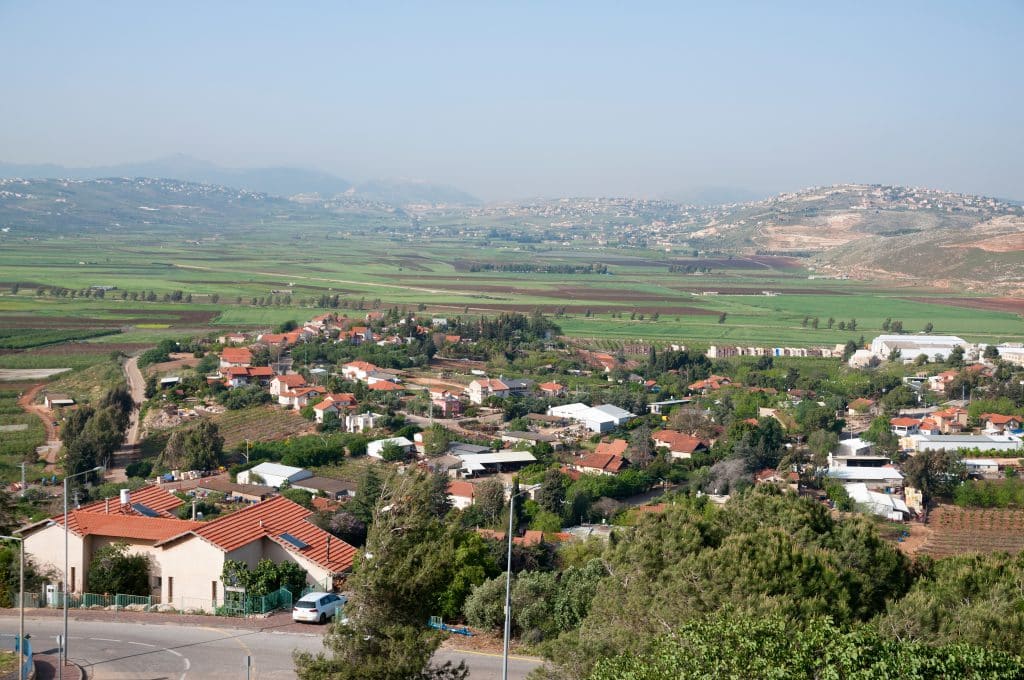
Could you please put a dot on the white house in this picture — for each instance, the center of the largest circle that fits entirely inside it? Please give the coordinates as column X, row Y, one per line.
column 882, row 504
column 374, row 448
column 272, row 474
column 480, row 390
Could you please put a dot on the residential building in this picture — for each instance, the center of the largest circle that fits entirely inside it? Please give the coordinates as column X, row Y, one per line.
column 482, row 389
column 679, row 445
column 965, row 442
column 235, row 356
column 374, row 448
column 874, row 478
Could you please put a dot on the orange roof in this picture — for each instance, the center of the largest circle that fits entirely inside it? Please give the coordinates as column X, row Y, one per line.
column 237, row 371
column 615, row 447
column 1000, row 419
column 270, row 519
column 904, row 422
column 154, row 497
column 236, row 355
column 602, row 461
column 491, row 384
column 861, row 402
column 677, row 441
column 453, row 339
column 261, row 371
column 137, row 527
column 458, row 487
column 362, row 365
column 385, row 386
column 551, row 387
column 291, row 380
column 653, row 509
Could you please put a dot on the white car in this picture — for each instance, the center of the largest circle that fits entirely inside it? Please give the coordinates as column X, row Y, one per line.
column 317, row 607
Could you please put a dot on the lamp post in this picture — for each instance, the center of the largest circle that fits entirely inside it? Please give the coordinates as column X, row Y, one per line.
column 21, row 605
column 64, row 646
column 508, row 587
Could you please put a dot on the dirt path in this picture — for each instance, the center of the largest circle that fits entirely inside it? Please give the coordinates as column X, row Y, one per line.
column 48, row 451
column 137, row 387
column 129, row 451
column 919, row 535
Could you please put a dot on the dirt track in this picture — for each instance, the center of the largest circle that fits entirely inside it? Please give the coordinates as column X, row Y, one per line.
column 27, row 403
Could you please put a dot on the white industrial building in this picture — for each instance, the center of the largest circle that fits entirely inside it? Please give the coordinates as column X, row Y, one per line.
column 272, row 474
column 875, row 478
column 882, row 504
column 970, row 442
column 595, row 418
column 935, row 347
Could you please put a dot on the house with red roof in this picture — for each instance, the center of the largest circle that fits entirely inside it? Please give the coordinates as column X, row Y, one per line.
column 334, row 403
column 139, row 518
column 709, row 384
column 904, row 426
column 679, row 445
column 952, row 419
column 460, row 493
column 601, row 463
column 552, row 389
column 235, row 356
column 286, row 383
column 357, row 370
column 480, row 390
column 998, row 423
column 277, row 529
column 300, row 396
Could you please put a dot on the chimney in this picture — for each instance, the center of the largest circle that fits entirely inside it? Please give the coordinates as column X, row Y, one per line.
column 106, row 506
column 126, row 497
column 261, row 524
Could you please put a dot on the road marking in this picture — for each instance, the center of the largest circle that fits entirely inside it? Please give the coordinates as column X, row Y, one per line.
column 104, row 640
column 175, row 653
column 536, row 659
column 141, row 644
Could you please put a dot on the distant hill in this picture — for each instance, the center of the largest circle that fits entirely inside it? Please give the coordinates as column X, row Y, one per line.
column 118, row 203
column 275, row 181
column 874, row 231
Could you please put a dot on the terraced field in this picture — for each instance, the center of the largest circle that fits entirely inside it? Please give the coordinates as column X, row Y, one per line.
column 956, row 531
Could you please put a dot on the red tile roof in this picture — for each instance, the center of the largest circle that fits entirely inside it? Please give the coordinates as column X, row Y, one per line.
column 999, row 418
column 261, row 371
column 677, row 441
column 362, row 365
column 270, row 519
column 236, row 355
column 291, row 380
column 904, row 422
column 458, row 487
column 602, row 461
column 551, row 387
column 385, row 386
column 615, row 447
column 135, row 527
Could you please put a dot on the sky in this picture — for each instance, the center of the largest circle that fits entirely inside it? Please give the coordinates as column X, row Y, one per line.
column 513, row 100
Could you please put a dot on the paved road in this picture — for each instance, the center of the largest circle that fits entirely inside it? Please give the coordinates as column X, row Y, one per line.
column 132, row 651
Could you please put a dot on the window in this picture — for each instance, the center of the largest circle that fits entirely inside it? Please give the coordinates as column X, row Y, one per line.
column 213, row 592
column 170, row 589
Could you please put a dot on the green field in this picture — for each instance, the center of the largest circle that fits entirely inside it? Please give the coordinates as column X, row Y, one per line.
column 20, row 434
column 275, row 273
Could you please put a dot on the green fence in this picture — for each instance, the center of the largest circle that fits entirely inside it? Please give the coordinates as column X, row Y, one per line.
column 239, row 604
column 97, row 601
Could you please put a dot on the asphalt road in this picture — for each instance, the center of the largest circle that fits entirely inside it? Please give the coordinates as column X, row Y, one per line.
column 133, row 651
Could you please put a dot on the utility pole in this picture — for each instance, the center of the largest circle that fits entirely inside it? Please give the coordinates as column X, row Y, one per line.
column 22, row 494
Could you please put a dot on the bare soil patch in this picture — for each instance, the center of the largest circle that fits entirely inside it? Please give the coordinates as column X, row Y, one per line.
column 178, row 361
column 957, row 531
column 82, row 348
column 14, row 374
column 994, row 304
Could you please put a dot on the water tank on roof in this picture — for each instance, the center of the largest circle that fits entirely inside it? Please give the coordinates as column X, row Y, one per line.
column 125, row 497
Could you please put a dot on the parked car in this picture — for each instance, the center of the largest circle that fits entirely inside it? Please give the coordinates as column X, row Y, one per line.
column 317, row 607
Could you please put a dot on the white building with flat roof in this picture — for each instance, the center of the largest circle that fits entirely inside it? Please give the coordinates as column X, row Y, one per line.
column 603, row 418
column 910, row 346
column 969, row 442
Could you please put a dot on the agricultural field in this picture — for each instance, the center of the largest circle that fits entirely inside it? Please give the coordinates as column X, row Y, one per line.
column 956, row 530
column 20, row 434
column 261, row 423
column 278, row 272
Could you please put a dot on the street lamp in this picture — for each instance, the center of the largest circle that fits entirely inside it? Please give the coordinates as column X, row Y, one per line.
column 64, row 646
column 508, row 587
column 21, row 604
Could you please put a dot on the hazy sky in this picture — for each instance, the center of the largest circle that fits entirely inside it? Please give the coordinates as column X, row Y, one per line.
column 519, row 99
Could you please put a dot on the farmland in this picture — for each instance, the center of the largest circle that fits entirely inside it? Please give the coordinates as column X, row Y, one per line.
column 956, row 531
column 279, row 272
column 20, row 434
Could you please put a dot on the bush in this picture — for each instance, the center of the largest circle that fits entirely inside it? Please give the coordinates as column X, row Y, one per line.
column 140, row 468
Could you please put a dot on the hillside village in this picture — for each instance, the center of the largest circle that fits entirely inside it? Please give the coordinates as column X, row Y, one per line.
column 588, row 437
